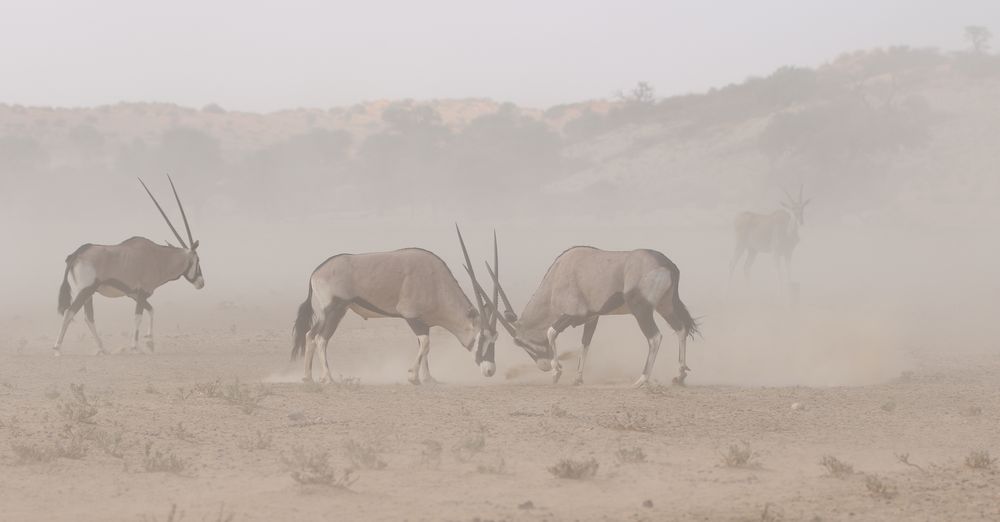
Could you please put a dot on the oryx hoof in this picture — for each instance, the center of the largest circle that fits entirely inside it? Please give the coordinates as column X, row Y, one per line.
column 326, row 379
column 578, row 380
column 682, row 376
column 555, row 376
column 640, row 382
column 149, row 344
column 101, row 351
column 430, row 380
column 56, row 352
column 307, row 380
column 414, row 378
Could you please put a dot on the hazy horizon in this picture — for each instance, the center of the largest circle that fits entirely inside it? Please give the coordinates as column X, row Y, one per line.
column 314, row 55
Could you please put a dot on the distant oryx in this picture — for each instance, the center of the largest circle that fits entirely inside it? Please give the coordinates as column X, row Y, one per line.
column 585, row 283
column 776, row 233
column 134, row 268
column 411, row 284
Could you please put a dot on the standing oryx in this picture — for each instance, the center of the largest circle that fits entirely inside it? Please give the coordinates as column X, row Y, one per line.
column 585, row 283
column 135, row 268
column 411, row 284
column 776, row 233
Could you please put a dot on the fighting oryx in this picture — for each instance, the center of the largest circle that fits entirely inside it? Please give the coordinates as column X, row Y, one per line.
column 411, row 284
column 585, row 283
column 776, row 233
column 134, row 268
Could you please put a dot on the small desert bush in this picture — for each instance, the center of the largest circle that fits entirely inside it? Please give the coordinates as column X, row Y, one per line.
column 364, row 455
column 628, row 420
column 496, row 468
column 430, row 455
column 155, row 460
column 836, row 467
column 77, row 409
column 257, row 441
column 211, row 390
column 27, row 453
column 633, row 455
column 740, row 456
column 878, row 487
column 112, row 443
column 471, row 445
column 574, row 469
column 980, row 459
column 313, row 468
column 248, row 400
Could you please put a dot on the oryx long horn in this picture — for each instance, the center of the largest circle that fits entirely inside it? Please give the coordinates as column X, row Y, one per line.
column 164, row 214
column 801, row 186
column 183, row 215
column 496, row 313
column 789, row 196
column 496, row 279
column 503, row 294
column 472, row 275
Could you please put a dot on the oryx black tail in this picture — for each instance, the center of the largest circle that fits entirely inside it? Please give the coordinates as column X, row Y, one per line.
column 303, row 322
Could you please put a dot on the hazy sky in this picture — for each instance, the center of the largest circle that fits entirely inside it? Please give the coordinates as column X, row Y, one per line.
column 264, row 56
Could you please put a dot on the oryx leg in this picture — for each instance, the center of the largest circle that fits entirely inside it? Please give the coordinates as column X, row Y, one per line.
column 422, row 331
column 666, row 310
column 330, row 324
column 748, row 264
column 137, row 322
column 149, row 332
column 74, row 307
column 644, row 316
column 588, row 333
column 741, row 248
column 552, row 334
column 88, row 314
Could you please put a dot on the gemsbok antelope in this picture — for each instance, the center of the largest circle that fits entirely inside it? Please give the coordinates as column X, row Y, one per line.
column 585, row 283
column 412, row 284
column 134, row 268
column 776, row 233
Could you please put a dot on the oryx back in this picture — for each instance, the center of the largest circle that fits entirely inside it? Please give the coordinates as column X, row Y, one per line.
column 764, row 233
column 134, row 266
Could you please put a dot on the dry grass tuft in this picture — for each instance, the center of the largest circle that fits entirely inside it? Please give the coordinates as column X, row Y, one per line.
column 836, row 467
column 740, row 456
column 880, row 488
column 78, row 409
column 155, row 461
column 364, row 455
column 628, row 420
column 255, row 442
column 575, row 469
column 980, row 459
column 313, row 468
column 241, row 395
column 112, row 443
column 630, row 455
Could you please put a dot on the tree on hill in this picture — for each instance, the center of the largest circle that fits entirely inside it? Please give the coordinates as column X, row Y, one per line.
column 979, row 37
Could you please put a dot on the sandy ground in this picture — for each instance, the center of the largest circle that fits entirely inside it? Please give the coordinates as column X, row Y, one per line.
column 472, row 448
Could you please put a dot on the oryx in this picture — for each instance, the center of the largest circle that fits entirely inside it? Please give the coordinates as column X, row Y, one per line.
column 585, row 283
column 134, row 268
column 776, row 233
column 411, row 284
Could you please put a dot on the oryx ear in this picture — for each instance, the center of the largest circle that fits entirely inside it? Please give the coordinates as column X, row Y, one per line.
column 194, row 245
column 472, row 314
column 169, row 244
column 510, row 316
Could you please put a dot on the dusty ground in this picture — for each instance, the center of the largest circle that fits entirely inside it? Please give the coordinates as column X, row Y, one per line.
column 497, row 440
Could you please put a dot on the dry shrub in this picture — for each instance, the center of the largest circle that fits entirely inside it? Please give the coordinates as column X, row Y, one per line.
column 364, row 455
column 880, row 488
column 771, row 513
column 112, row 443
column 241, row 395
column 77, row 409
column 628, row 420
column 155, row 461
column 470, row 446
column 313, row 468
column 980, row 459
column 179, row 432
column 430, row 456
column 212, row 390
column 836, row 467
column 740, row 456
column 497, row 468
column 257, row 441
column 574, row 469
column 630, row 455
column 25, row 453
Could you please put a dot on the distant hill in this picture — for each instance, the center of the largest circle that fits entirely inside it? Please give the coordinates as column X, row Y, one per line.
column 871, row 132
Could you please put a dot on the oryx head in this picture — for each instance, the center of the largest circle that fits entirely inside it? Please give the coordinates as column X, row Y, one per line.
column 485, row 323
column 538, row 349
column 796, row 206
column 192, row 272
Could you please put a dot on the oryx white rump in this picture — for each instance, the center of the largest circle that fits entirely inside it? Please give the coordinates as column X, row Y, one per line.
column 585, row 283
column 776, row 233
column 134, row 268
column 411, row 284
